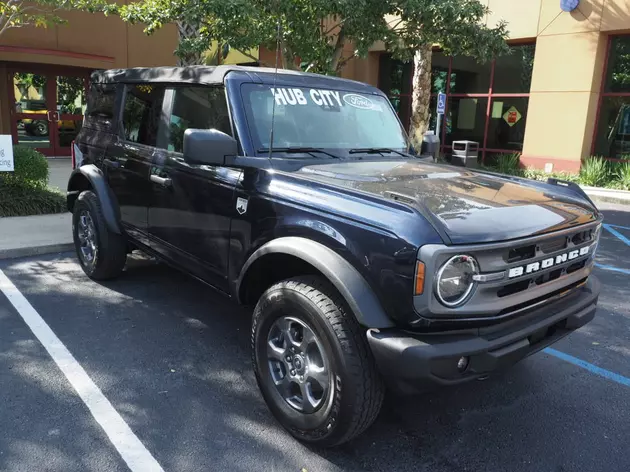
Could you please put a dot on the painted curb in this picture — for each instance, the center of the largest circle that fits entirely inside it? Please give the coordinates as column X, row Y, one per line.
column 35, row 250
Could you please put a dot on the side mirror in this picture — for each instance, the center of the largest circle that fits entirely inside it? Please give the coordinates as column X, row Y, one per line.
column 208, row 146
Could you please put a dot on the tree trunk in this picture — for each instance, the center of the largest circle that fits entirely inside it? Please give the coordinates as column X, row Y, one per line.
column 420, row 95
column 338, row 51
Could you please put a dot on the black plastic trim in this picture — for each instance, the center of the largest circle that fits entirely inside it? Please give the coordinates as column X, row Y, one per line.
column 413, row 361
column 103, row 192
column 345, row 278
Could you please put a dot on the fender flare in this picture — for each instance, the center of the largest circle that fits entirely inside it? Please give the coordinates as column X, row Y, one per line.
column 105, row 196
column 344, row 277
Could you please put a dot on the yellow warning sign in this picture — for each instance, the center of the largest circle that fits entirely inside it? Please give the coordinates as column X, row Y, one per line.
column 512, row 116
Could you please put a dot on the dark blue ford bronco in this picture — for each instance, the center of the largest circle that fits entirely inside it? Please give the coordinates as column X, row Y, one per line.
column 300, row 195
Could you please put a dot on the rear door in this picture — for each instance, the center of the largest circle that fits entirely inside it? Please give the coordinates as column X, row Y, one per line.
column 192, row 205
column 128, row 158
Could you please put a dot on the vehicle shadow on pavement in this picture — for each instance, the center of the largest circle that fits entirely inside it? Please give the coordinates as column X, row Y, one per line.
column 174, row 359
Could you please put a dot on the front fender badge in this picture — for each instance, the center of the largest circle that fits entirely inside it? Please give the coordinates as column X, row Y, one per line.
column 241, row 205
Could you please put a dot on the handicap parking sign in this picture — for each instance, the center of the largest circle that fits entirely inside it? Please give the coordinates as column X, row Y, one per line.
column 441, row 103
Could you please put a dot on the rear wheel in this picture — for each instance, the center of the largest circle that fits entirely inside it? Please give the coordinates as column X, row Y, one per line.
column 312, row 362
column 102, row 253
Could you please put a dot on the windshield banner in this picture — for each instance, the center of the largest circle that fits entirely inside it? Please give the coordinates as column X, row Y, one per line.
column 320, row 97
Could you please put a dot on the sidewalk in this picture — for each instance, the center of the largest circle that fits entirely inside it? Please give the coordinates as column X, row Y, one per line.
column 22, row 236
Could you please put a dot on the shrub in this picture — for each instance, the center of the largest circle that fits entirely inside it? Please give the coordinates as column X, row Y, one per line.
column 23, row 199
column 623, row 175
column 595, row 172
column 508, row 164
column 31, row 168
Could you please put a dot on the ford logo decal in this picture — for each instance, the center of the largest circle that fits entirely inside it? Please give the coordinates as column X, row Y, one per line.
column 358, row 101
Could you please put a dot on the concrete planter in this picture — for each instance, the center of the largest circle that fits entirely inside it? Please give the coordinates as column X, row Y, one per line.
column 607, row 195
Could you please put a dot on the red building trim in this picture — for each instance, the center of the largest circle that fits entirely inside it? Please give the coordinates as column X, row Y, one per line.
column 53, row 52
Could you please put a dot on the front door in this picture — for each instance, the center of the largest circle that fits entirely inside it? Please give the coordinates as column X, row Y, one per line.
column 47, row 108
column 192, row 205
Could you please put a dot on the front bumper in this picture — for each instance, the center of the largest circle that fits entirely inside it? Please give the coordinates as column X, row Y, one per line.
column 411, row 361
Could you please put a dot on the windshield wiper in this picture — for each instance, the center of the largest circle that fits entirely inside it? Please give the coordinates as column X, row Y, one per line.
column 298, row 149
column 375, row 150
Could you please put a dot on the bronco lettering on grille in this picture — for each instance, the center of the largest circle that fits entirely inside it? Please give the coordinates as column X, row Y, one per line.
column 549, row 262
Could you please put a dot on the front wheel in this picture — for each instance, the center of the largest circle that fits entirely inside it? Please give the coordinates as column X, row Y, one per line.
column 312, row 362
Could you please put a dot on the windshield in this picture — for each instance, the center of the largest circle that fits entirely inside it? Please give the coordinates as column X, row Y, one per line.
column 319, row 118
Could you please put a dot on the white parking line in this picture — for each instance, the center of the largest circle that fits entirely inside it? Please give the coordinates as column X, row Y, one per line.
column 133, row 452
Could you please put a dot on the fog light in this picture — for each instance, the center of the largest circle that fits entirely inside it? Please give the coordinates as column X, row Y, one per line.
column 462, row 363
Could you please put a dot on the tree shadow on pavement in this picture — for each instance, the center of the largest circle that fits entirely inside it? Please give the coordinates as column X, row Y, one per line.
column 174, row 359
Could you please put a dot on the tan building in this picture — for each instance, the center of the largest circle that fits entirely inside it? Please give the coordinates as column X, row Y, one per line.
column 562, row 95
column 44, row 73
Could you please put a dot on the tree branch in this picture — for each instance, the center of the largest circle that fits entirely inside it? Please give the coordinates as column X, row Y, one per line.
column 342, row 62
column 250, row 56
column 330, row 30
column 8, row 24
column 6, row 9
column 338, row 51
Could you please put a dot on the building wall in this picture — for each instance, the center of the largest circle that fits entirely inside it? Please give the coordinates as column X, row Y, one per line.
column 88, row 40
column 568, row 69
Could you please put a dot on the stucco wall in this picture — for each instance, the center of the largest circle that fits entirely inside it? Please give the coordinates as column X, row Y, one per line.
column 568, row 69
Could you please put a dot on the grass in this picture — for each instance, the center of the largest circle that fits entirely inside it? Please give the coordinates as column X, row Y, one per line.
column 24, row 200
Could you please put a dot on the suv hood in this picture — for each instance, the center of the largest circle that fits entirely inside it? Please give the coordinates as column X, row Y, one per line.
column 465, row 206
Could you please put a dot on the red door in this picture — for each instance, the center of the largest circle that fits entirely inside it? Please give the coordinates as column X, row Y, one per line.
column 47, row 111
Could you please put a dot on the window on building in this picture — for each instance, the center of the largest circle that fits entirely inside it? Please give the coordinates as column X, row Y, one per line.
column 513, row 72
column 506, row 126
column 197, row 107
column 142, row 112
column 486, row 103
column 612, row 133
column 468, row 76
column 466, row 119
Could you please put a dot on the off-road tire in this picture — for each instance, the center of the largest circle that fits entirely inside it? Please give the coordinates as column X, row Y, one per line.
column 112, row 247
column 357, row 389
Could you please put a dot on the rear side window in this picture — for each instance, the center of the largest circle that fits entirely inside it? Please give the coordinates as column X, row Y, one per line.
column 197, row 107
column 101, row 101
column 142, row 112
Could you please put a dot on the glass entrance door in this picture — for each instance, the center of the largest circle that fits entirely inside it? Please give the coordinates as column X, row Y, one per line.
column 71, row 93
column 47, row 109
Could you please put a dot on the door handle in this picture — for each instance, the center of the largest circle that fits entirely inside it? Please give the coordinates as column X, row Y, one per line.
column 164, row 182
column 110, row 163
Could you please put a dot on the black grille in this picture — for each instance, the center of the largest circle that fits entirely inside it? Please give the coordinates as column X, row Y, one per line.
column 521, row 254
column 553, row 245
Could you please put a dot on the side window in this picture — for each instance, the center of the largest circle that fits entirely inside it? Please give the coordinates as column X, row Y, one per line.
column 197, row 107
column 142, row 112
column 101, row 101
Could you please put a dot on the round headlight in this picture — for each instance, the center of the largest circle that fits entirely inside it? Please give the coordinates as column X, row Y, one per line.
column 455, row 281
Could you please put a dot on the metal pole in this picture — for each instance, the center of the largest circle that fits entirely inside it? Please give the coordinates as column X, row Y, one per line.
column 438, row 128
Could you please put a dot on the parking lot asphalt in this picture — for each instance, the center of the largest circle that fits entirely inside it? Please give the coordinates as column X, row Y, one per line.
column 173, row 358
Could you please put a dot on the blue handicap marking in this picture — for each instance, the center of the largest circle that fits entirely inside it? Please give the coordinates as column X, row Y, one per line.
column 620, row 379
column 441, row 103
column 612, row 268
column 614, row 230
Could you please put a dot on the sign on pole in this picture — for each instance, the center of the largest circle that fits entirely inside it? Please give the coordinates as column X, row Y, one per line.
column 6, row 153
column 441, row 103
